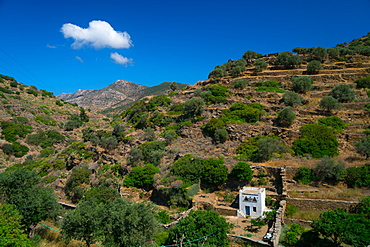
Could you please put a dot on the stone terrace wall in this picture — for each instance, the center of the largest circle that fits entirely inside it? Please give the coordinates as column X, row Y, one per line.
column 320, row 205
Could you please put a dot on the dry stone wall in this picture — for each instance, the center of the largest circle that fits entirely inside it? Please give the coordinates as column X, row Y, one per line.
column 320, row 205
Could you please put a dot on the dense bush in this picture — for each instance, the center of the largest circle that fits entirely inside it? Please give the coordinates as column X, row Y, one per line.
column 329, row 171
column 241, row 113
column 250, row 55
column 291, row 98
column 269, row 86
column 343, row 93
column 31, row 91
column 109, row 143
column 316, row 140
column 286, row 116
column 304, row 175
column 47, row 120
column 194, row 106
column 329, row 103
column 242, row 171
column 301, row 84
column 152, row 151
column 334, row 122
column 212, row 126
column 260, row 65
column 16, row 149
column 314, row 67
column 12, row 131
column 210, row 171
column 45, row 138
column 363, row 147
column 239, row 83
column 169, row 136
column 141, row 177
column 358, row 176
column 217, row 73
column 157, row 101
column 79, row 176
column 72, row 124
column 214, row 94
column 363, row 82
column 269, row 147
column 288, row 60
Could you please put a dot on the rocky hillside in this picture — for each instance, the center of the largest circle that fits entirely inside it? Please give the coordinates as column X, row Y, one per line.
column 260, row 109
column 117, row 96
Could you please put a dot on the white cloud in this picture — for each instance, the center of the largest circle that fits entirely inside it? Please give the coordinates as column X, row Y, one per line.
column 99, row 34
column 119, row 59
column 80, row 59
column 51, row 46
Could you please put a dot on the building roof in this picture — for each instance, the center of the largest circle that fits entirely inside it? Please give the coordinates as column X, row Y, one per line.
column 252, row 190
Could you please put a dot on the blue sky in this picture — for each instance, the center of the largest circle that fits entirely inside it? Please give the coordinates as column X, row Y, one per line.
column 149, row 42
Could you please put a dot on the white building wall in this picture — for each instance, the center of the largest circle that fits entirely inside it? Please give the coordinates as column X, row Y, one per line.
column 252, row 201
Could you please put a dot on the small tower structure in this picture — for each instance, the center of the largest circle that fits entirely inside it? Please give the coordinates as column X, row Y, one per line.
column 252, row 201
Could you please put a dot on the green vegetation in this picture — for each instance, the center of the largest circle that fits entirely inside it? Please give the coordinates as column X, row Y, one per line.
column 286, row 116
column 343, row 93
column 141, row 176
column 12, row 131
column 217, row 73
column 358, row 177
column 22, row 189
column 214, row 94
column 261, row 148
column 194, row 106
column 329, row 171
column 11, row 232
column 210, row 171
column 45, row 138
column 334, row 122
column 329, row 103
column 288, row 60
column 293, row 99
column 260, row 65
column 250, row 55
column 47, row 120
column 316, row 140
column 242, row 113
column 242, row 171
column 16, row 149
column 305, row 175
column 73, row 188
column 301, row 84
column 199, row 224
column 269, row 86
column 363, row 147
column 239, row 83
column 363, row 82
column 314, row 67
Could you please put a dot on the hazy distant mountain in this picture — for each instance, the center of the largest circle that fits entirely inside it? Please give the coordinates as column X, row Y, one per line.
column 117, row 95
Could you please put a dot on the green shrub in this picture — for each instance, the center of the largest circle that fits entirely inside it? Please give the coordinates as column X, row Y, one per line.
column 214, row 94
column 317, row 140
column 194, row 106
column 292, row 98
column 242, row 171
column 14, row 84
column 269, row 86
column 304, row 175
column 157, row 101
column 241, row 113
column 12, row 131
column 31, row 91
column 141, row 176
column 363, row 147
column 239, row 83
column 301, row 84
column 343, row 93
column 286, row 116
column 209, row 171
column 152, row 151
column 45, row 138
column 217, row 73
column 72, row 124
column 109, row 143
column 329, row 103
column 290, row 210
column 268, row 147
column 47, row 120
column 79, row 176
column 169, row 136
column 329, row 171
column 16, row 149
column 363, row 82
column 334, row 122
column 260, row 64
column 314, row 67
column 212, row 125
column 288, row 60
column 247, row 149
column 358, row 177
column 250, row 55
